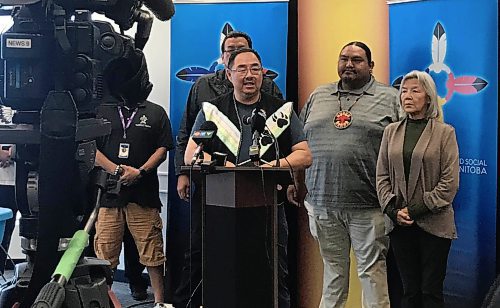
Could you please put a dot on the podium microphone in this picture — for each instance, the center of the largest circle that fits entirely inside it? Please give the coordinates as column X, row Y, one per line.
column 258, row 122
column 203, row 137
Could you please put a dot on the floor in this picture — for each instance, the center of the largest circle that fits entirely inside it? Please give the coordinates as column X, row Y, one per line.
column 121, row 291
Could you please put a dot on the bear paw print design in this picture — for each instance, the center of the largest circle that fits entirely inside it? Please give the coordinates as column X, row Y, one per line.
column 282, row 120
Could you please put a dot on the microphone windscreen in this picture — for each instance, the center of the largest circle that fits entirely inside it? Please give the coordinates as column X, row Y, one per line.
column 208, row 125
column 259, row 120
column 162, row 9
column 205, row 135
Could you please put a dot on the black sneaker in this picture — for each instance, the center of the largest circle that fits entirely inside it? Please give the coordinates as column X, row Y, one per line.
column 139, row 293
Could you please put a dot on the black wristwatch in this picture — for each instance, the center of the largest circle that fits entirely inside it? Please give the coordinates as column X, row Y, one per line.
column 143, row 172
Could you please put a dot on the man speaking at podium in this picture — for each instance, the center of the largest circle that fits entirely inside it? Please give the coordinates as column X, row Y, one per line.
column 247, row 118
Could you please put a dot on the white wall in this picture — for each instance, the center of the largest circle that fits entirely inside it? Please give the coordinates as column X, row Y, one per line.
column 157, row 53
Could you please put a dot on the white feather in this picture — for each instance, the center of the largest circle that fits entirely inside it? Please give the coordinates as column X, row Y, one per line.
column 439, row 51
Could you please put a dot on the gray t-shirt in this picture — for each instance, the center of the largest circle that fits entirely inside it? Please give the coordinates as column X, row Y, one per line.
column 344, row 161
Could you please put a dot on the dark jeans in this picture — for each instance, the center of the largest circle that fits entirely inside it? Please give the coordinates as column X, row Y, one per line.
column 133, row 268
column 7, row 200
column 190, row 287
column 422, row 259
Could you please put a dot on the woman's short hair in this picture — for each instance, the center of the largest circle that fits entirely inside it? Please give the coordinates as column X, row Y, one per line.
column 433, row 110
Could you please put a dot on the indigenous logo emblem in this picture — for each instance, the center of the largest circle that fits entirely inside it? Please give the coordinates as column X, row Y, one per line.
column 343, row 119
column 192, row 73
column 468, row 85
column 143, row 122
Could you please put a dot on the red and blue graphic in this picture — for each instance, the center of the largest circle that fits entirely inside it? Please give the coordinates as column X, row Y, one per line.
column 460, row 84
column 456, row 42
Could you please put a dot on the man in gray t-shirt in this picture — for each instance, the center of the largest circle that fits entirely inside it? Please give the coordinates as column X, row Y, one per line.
column 244, row 70
column 344, row 123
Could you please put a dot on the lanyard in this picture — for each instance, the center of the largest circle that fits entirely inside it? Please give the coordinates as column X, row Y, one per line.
column 127, row 125
column 349, row 109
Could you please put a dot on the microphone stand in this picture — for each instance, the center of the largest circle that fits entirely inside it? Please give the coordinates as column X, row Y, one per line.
column 198, row 153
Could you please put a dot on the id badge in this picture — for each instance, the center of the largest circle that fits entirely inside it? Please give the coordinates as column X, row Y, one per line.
column 124, row 150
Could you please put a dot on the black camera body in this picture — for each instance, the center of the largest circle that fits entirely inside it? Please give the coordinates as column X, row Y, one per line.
column 57, row 49
column 113, row 185
column 57, row 65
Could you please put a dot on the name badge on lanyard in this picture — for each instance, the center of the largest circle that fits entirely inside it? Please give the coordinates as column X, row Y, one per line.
column 124, row 150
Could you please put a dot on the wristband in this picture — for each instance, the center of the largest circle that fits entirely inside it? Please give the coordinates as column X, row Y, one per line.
column 118, row 170
column 143, row 172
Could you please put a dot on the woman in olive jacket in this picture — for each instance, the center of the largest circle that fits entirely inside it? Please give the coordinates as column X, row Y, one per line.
column 417, row 179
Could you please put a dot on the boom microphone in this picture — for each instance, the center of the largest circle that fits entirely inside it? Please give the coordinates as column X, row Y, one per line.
column 162, row 9
column 203, row 137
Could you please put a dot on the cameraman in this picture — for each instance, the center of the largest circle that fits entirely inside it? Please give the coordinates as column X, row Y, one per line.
column 138, row 144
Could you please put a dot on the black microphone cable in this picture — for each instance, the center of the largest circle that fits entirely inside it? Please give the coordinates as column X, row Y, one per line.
column 278, row 154
column 192, row 292
column 267, row 206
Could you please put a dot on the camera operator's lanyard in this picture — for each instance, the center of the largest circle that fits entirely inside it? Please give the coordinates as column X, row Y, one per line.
column 124, row 147
column 126, row 125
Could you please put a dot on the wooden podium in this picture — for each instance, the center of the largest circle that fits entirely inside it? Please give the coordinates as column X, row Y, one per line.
column 240, row 235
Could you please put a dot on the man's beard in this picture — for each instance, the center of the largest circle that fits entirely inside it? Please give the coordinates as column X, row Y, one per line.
column 354, row 82
column 251, row 93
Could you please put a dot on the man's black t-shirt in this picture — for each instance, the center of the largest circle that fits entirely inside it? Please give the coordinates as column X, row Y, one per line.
column 149, row 130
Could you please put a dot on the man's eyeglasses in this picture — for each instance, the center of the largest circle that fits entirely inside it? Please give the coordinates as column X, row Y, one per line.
column 243, row 70
column 233, row 49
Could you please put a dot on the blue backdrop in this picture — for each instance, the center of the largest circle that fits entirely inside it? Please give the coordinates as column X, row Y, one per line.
column 196, row 39
column 197, row 32
column 456, row 41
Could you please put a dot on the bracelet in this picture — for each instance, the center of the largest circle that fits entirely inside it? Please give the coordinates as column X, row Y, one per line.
column 117, row 170
column 143, row 172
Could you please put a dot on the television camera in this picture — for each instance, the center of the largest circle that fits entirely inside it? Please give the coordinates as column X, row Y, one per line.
column 54, row 63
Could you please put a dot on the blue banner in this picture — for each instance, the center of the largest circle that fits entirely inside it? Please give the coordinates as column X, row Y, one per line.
column 197, row 31
column 456, row 42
